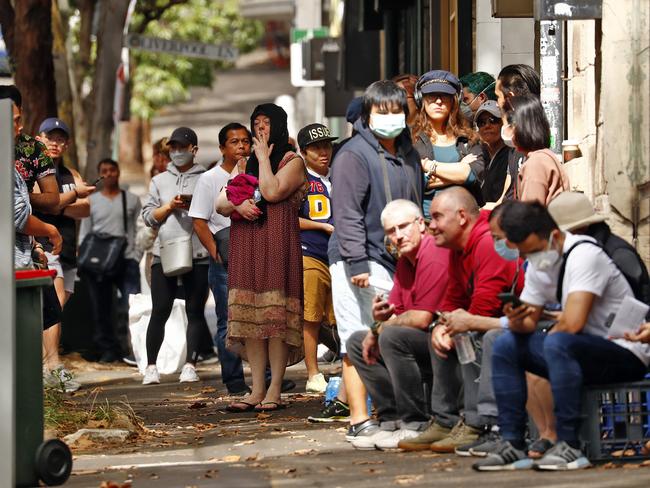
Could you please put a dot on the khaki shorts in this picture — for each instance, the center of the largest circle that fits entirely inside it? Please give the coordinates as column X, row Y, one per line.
column 318, row 291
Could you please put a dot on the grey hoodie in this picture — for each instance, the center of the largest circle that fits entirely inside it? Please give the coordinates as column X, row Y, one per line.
column 164, row 187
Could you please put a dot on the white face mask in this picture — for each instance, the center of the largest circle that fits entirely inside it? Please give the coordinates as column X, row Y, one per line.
column 506, row 135
column 544, row 260
column 181, row 158
column 387, row 126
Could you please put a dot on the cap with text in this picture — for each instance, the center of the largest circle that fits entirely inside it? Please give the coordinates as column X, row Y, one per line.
column 314, row 133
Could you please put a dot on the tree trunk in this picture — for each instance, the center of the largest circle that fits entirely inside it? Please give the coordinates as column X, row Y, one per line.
column 29, row 42
column 99, row 116
column 64, row 87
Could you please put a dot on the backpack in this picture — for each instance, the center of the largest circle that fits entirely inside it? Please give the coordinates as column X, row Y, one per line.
column 629, row 264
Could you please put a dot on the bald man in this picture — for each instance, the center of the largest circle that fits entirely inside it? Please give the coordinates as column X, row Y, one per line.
column 477, row 274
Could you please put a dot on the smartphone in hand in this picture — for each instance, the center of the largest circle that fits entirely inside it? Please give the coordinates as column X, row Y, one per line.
column 96, row 182
column 186, row 198
column 510, row 298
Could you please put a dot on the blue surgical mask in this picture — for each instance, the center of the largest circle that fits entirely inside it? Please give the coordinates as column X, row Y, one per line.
column 507, row 253
column 387, row 126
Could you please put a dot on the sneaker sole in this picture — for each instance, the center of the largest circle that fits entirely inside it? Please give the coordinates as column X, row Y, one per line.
column 328, row 420
column 153, row 382
column 193, row 380
column 462, row 453
column 580, row 463
column 314, row 390
column 480, row 454
column 516, row 466
column 442, row 449
column 412, row 447
column 208, row 362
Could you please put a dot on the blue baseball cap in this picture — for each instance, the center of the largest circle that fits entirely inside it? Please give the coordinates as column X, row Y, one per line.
column 438, row 81
column 52, row 123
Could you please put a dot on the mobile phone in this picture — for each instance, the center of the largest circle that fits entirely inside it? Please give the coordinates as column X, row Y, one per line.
column 186, row 198
column 97, row 181
column 510, row 298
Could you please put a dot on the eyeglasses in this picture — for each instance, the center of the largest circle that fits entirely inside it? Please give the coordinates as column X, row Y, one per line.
column 489, row 120
column 402, row 228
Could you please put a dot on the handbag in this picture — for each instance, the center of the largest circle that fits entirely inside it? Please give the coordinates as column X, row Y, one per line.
column 176, row 255
column 102, row 254
column 222, row 239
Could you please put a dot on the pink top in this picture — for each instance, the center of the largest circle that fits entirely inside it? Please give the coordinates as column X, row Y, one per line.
column 541, row 177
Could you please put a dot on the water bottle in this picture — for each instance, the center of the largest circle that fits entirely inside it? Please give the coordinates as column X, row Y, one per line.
column 257, row 195
column 464, row 348
column 332, row 389
column 369, row 405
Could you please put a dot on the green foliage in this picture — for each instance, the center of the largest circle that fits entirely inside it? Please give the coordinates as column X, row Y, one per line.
column 161, row 79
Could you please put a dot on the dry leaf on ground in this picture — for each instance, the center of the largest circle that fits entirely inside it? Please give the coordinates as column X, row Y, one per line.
column 231, row 459
column 408, row 479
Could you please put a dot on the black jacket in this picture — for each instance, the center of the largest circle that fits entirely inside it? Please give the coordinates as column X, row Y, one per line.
column 359, row 196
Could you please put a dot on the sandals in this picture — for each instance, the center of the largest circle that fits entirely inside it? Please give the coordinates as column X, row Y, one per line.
column 538, row 448
column 269, row 406
column 232, row 408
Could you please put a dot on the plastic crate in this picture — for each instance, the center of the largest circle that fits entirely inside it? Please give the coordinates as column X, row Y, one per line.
column 616, row 418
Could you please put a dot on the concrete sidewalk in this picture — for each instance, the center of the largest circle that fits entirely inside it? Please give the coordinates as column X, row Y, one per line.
column 192, row 441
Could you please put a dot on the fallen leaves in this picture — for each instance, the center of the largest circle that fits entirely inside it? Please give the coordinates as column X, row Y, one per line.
column 244, row 443
column 231, row 459
column 197, row 405
column 407, row 479
column 624, row 453
column 304, row 452
column 113, row 484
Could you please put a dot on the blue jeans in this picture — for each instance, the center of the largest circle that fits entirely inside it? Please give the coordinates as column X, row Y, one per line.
column 569, row 361
column 232, row 372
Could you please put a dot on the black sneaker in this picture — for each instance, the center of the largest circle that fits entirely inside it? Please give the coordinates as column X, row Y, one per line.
column 208, row 357
column 362, row 429
column 504, row 458
column 328, row 357
column 334, row 411
column 130, row 360
column 480, row 447
column 562, row 457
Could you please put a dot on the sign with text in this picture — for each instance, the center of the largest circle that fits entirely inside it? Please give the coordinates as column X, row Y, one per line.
column 222, row 52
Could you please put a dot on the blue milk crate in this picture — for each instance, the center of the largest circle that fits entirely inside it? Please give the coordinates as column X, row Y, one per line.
column 615, row 417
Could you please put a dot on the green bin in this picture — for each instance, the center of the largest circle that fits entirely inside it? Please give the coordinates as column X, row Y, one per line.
column 50, row 462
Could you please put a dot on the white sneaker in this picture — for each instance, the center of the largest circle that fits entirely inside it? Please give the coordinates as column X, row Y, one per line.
column 390, row 442
column 316, row 384
column 188, row 374
column 151, row 375
column 368, row 442
column 61, row 379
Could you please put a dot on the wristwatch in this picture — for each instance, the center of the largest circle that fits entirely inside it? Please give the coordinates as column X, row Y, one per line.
column 374, row 328
column 431, row 326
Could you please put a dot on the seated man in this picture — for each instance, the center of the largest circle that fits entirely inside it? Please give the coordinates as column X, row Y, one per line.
column 477, row 274
column 575, row 352
column 392, row 358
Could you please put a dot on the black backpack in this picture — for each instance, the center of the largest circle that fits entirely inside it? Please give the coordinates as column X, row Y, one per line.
column 624, row 256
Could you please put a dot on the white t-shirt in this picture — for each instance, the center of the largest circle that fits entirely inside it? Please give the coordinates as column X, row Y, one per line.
column 589, row 269
column 204, row 199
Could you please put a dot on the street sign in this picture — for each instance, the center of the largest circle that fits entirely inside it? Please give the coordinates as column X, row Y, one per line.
column 223, row 52
column 298, row 35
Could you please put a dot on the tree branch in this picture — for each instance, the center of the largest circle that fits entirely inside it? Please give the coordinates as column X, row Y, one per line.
column 151, row 12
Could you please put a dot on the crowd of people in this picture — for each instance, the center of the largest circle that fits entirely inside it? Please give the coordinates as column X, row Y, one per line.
column 469, row 287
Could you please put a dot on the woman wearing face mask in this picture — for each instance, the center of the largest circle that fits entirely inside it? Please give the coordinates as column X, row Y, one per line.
column 265, row 323
column 377, row 165
column 166, row 209
column 449, row 149
column 542, row 176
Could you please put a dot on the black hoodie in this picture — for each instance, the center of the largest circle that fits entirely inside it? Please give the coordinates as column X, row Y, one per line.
column 359, row 196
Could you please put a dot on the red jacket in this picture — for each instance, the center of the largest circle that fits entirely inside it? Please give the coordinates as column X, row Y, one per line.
column 477, row 274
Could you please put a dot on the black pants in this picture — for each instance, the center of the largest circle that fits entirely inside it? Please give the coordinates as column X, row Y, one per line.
column 396, row 382
column 163, row 292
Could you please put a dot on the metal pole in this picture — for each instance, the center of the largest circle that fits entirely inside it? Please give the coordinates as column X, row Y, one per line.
column 550, row 52
column 7, row 297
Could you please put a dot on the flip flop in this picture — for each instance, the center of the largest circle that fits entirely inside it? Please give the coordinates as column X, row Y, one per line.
column 260, row 407
column 232, row 409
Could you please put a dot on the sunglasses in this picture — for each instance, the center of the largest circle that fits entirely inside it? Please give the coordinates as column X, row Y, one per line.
column 489, row 120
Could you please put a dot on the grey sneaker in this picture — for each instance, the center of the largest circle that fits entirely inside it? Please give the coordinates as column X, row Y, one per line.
column 484, row 445
column 422, row 442
column 562, row 457
column 60, row 378
column 365, row 428
column 504, row 458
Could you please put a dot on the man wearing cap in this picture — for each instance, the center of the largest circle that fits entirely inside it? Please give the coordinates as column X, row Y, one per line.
column 316, row 226
column 501, row 167
column 73, row 206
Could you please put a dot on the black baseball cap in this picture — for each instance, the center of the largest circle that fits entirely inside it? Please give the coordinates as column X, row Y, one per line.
column 438, row 81
column 314, row 133
column 52, row 123
column 184, row 136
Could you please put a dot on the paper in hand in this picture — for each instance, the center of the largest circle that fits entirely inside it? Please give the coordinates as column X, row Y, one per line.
column 380, row 285
column 631, row 314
